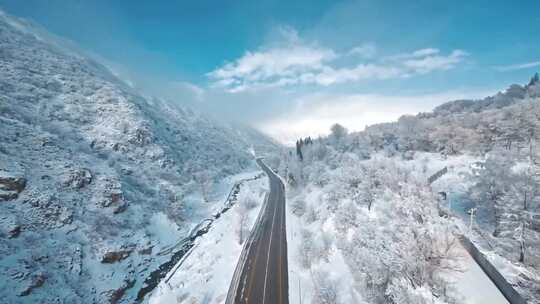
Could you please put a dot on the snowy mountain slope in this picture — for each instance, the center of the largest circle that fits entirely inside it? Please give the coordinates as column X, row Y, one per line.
column 509, row 119
column 94, row 178
column 514, row 94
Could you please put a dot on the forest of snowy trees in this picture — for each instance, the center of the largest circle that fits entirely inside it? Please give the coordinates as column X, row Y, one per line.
column 367, row 190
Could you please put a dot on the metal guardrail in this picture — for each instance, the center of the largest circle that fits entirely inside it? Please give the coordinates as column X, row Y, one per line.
column 437, row 175
column 493, row 274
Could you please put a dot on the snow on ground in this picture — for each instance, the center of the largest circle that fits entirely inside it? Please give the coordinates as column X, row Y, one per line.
column 200, row 210
column 303, row 282
column 204, row 276
column 467, row 282
column 472, row 286
column 163, row 229
column 458, row 167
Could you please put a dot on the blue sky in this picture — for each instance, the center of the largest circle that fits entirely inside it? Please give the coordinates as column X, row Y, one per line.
column 292, row 67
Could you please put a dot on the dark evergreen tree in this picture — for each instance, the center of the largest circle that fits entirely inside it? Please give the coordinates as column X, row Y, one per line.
column 534, row 80
column 299, row 144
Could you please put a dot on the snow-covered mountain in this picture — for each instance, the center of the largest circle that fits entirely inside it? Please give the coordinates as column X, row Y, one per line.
column 509, row 118
column 94, row 176
column 514, row 94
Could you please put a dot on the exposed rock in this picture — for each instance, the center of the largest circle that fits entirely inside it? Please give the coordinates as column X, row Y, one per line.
column 10, row 182
column 112, row 194
column 14, row 232
column 9, row 226
column 78, row 179
column 115, row 256
column 8, row 195
column 141, row 137
column 11, row 185
column 47, row 212
column 37, row 280
column 116, row 196
column 116, row 295
column 121, row 207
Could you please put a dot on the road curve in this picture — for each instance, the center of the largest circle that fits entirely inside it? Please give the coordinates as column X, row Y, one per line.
column 261, row 275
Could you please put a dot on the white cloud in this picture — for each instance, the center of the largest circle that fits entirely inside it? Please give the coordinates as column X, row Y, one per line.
column 330, row 75
column 274, row 67
column 519, row 66
column 415, row 54
column 425, row 52
column 423, row 64
column 367, row 50
column 275, row 63
column 295, row 62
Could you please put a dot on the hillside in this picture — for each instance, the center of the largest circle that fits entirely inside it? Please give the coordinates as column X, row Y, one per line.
column 95, row 178
column 510, row 120
column 514, row 94
column 364, row 185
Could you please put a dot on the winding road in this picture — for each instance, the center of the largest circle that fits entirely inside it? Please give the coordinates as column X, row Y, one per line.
column 261, row 275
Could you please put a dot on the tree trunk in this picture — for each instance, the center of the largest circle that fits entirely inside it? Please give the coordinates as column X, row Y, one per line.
column 497, row 215
column 522, row 244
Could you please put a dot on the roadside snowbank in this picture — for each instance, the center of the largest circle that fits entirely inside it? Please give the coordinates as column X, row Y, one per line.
column 204, row 276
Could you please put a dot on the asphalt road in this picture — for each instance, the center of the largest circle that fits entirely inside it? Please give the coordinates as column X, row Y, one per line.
column 261, row 275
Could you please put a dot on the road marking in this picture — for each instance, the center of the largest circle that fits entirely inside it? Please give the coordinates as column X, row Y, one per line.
column 244, row 282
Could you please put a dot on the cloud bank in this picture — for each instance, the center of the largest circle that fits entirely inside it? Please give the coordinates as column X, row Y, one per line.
column 297, row 62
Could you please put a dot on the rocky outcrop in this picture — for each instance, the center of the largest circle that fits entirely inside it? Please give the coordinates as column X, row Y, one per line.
column 116, row 295
column 111, row 192
column 11, row 185
column 110, row 257
column 78, row 178
column 10, row 226
column 47, row 211
column 111, row 195
column 14, row 232
column 8, row 195
column 35, row 281
column 141, row 137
